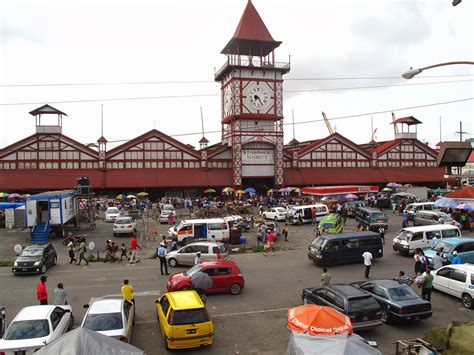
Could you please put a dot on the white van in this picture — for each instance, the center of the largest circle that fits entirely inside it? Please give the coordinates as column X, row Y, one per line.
column 408, row 239
column 302, row 214
column 191, row 229
column 412, row 208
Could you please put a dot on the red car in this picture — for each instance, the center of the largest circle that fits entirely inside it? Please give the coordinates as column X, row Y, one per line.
column 226, row 277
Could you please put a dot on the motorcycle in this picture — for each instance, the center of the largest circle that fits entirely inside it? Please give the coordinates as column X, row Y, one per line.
column 78, row 239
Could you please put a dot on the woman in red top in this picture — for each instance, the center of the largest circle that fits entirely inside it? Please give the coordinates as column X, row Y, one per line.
column 41, row 291
column 271, row 235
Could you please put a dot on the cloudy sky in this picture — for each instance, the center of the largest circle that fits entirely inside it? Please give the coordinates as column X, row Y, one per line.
column 157, row 59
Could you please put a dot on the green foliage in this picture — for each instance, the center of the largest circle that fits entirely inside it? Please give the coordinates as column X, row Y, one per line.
column 6, row 263
column 258, row 249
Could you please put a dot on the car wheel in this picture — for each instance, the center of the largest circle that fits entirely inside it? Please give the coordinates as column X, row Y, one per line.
column 235, row 289
column 55, row 260
column 43, row 268
column 467, row 300
column 173, row 262
column 385, row 316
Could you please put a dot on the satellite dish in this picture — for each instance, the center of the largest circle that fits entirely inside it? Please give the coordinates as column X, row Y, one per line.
column 91, row 245
column 17, row 248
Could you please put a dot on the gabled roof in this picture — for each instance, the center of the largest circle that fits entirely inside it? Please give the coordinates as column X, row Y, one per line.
column 46, row 109
column 336, row 136
column 293, row 141
column 386, row 146
column 149, row 134
column 203, row 140
column 409, row 120
column 102, row 140
column 251, row 36
column 466, row 192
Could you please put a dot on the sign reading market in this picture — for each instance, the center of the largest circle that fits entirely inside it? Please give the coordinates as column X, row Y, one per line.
column 258, row 156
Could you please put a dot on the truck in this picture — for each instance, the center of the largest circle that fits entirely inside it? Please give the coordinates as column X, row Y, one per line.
column 50, row 211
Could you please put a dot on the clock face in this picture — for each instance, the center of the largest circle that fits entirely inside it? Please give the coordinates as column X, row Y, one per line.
column 258, row 96
column 227, row 100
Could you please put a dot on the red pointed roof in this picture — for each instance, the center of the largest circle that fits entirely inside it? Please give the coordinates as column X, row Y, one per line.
column 46, row 109
column 251, row 36
column 409, row 120
column 102, row 140
column 203, row 140
column 466, row 192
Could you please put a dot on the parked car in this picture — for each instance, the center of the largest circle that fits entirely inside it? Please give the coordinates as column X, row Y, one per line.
column 35, row 259
column 226, row 277
column 362, row 309
column 351, row 206
column 35, row 326
column 185, row 256
column 270, row 225
column 463, row 246
column 124, row 225
column 111, row 214
column 332, row 223
column 275, row 214
column 456, row 280
column 413, row 208
column 398, row 302
column 423, row 218
column 184, row 320
column 371, row 218
column 113, row 317
column 165, row 213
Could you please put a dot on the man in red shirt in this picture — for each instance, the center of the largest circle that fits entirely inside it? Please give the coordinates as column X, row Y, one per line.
column 133, row 247
column 41, row 291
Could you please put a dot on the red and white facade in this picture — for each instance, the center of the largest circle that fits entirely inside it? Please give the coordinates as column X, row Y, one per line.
column 251, row 153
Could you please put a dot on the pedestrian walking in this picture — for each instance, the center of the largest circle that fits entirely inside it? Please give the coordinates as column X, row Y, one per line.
column 270, row 239
column 60, row 295
column 197, row 259
column 285, row 231
column 127, row 292
column 41, row 291
column 367, row 262
column 171, row 218
column 72, row 255
column 263, row 233
column 82, row 252
column 108, row 251
column 213, row 238
column 426, row 285
column 325, row 277
column 174, row 244
column 313, row 216
column 161, row 253
column 133, row 247
column 382, row 234
column 113, row 252
column 123, row 252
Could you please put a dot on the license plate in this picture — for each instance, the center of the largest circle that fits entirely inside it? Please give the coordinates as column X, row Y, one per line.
column 24, row 269
column 191, row 331
column 365, row 318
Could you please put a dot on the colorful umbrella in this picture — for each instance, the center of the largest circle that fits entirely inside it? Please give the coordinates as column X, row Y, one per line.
column 250, row 190
column 142, row 194
column 318, row 320
column 25, row 196
column 465, row 207
column 351, row 197
column 121, row 197
column 207, row 191
column 386, row 189
column 14, row 195
column 272, row 190
column 228, row 190
column 298, row 190
column 131, row 196
column 239, row 192
column 3, row 195
column 393, row 184
column 446, row 202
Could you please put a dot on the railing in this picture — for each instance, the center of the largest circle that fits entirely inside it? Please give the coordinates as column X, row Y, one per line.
column 255, row 63
column 406, row 135
column 48, row 129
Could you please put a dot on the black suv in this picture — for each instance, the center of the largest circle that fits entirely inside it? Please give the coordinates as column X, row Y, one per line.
column 371, row 218
column 35, row 259
column 351, row 207
column 362, row 309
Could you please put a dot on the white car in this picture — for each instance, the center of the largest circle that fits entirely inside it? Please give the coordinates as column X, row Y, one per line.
column 111, row 214
column 113, row 317
column 124, row 225
column 35, row 326
column 456, row 280
column 186, row 255
column 275, row 213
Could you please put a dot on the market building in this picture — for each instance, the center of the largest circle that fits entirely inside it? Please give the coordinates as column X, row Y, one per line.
column 251, row 151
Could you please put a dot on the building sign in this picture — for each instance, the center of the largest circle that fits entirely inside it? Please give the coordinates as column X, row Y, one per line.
column 258, row 156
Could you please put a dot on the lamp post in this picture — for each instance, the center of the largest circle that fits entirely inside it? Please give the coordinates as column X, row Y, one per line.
column 409, row 74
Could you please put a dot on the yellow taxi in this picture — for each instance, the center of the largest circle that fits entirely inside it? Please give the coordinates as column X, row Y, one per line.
column 184, row 320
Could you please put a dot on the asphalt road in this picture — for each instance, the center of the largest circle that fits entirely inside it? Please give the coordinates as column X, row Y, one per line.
column 251, row 323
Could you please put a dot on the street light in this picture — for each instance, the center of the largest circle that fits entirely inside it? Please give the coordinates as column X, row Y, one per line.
column 409, row 74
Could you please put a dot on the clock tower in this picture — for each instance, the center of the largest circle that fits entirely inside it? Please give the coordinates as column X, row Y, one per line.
column 252, row 101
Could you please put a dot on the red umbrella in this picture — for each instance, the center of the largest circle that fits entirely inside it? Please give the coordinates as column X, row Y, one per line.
column 318, row 320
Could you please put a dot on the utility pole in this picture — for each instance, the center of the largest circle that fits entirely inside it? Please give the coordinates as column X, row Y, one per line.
column 460, row 131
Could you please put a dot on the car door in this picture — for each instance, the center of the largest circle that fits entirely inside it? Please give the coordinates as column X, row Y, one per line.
column 59, row 319
column 47, row 255
column 441, row 281
column 211, row 271
column 129, row 314
column 380, row 294
column 417, row 241
column 466, row 252
column 206, row 254
column 222, row 279
column 163, row 310
column 335, row 301
column 430, row 235
column 457, row 282
column 186, row 255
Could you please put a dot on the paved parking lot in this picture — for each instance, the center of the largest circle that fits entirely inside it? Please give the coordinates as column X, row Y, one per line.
column 251, row 323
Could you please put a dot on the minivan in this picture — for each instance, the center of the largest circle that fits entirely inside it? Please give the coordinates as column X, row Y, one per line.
column 351, row 206
column 190, row 230
column 371, row 218
column 303, row 214
column 408, row 239
column 344, row 247
column 423, row 218
column 463, row 246
column 413, row 208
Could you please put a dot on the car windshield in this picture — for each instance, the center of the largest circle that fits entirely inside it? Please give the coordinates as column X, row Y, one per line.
column 123, row 221
column 103, row 321
column 378, row 216
column 443, row 245
column 404, row 235
column 192, row 271
column 32, row 252
column 362, row 303
column 280, row 209
column 446, row 217
column 189, row 316
column 27, row 329
column 292, row 211
column 112, row 210
column 402, row 293
column 327, row 224
column 318, row 243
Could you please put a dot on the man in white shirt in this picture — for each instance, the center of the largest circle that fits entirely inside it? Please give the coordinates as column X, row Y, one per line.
column 367, row 262
column 197, row 259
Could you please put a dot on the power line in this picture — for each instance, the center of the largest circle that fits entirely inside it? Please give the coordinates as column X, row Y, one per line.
column 211, row 95
column 212, row 81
